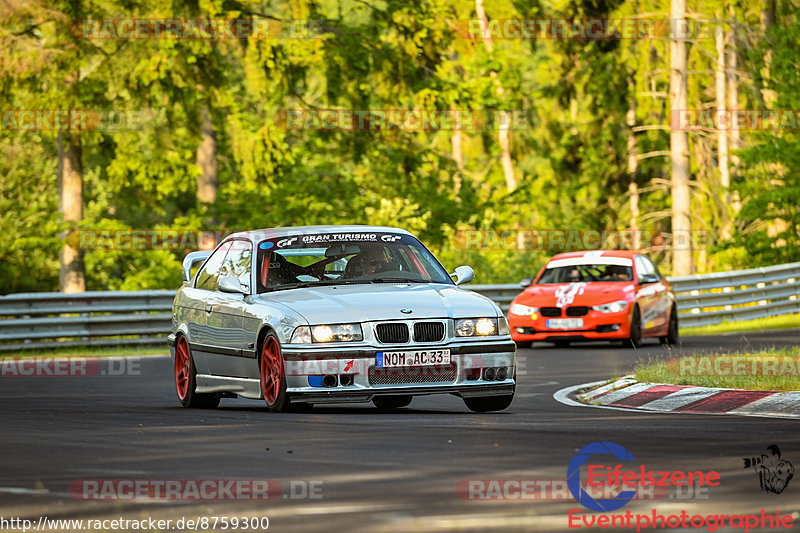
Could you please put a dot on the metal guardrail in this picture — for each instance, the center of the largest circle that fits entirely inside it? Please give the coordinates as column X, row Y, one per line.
column 31, row 321
column 705, row 299
column 36, row 320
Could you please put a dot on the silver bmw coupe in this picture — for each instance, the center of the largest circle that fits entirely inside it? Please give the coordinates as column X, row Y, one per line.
column 327, row 314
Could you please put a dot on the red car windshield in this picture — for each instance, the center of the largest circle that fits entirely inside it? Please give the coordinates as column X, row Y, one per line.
column 585, row 273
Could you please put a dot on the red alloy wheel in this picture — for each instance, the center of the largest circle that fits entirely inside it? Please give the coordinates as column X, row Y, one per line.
column 271, row 370
column 182, row 368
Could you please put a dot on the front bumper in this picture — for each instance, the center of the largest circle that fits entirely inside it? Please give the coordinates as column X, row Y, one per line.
column 596, row 326
column 359, row 380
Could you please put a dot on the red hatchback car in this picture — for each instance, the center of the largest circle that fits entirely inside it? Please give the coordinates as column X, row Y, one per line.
column 597, row 295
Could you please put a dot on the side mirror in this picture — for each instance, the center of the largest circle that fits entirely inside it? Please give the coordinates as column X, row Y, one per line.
column 526, row 282
column 648, row 278
column 192, row 259
column 463, row 274
column 231, row 285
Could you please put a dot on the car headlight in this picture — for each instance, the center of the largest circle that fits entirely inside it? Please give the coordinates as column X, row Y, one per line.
column 480, row 327
column 327, row 333
column 522, row 310
column 613, row 307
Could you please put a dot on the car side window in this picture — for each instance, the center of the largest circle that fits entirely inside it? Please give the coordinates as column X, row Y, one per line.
column 653, row 268
column 207, row 277
column 237, row 262
column 644, row 266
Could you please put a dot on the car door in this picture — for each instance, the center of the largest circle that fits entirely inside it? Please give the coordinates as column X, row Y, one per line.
column 662, row 302
column 652, row 295
column 232, row 346
column 204, row 283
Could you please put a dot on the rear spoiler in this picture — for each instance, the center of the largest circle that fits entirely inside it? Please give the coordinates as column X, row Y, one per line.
column 190, row 260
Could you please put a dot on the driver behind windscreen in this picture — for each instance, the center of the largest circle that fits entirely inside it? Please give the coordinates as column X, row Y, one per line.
column 370, row 259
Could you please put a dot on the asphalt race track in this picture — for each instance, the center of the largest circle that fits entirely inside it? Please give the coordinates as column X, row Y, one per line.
column 373, row 471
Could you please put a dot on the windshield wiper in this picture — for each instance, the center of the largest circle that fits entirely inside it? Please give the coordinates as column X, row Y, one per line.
column 319, row 283
column 398, row 280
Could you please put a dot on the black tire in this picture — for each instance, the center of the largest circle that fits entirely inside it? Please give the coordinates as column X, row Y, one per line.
column 272, row 376
column 483, row 404
column 523, row 344
column 635, row 340
column 186, row 379
column 391, row 402
column 673, row 336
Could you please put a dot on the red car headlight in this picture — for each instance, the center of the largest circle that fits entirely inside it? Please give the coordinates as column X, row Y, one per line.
column 612, row 307
column 522, row 310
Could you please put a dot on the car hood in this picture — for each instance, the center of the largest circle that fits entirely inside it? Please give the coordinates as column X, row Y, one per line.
column 363, row 303
column 581, row 293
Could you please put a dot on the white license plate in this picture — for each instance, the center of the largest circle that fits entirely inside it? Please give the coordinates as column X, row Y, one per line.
column 565, row 323
column 412, row 358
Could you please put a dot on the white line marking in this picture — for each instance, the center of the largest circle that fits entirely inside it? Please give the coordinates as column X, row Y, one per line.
column 21, row 490
column 532, row 385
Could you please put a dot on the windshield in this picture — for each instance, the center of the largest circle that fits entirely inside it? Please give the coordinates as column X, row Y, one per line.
column 586, row 272
column 345, row 258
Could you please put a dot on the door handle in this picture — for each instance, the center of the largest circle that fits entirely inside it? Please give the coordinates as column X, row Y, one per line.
column 208, row 308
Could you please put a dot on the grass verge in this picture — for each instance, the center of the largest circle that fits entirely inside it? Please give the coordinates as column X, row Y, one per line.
column 758, row 324
column 771, row 369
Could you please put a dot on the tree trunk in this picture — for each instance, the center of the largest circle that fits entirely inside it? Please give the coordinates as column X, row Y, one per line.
column 458, row 157
column 505, row 120
column 208, row 180
column 768, row 14
column 505, row 149
column 722, row 133
column 633, row 166
column 733, row 104
column 767, row 22
column 72, row 277
column 679, row 145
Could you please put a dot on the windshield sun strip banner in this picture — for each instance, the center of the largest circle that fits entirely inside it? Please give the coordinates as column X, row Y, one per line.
column 582, row 261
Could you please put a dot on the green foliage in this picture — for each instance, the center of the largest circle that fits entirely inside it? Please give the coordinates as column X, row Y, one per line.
column 29, row 218
column 569, row 154
column 769, row 222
